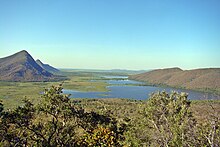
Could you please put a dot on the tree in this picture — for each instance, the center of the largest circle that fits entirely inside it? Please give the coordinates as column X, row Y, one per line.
column 209, row 130
column 56, row 121
column 169, row 120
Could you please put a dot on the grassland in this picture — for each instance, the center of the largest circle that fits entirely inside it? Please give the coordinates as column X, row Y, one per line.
column 12, row 93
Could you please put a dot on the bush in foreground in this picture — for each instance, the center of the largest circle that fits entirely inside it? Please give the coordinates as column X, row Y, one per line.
column 170, row 120
column 56, row 121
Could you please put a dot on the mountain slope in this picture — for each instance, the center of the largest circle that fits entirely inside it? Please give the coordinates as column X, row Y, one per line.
column 47, row 67
column 208, row 78
column 22, row 67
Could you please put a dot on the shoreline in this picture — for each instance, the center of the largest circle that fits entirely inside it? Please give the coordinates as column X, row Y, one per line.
column 205, row 91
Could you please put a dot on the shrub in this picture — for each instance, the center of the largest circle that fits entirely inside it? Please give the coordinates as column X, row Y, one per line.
column 56, row 121
column 169, row 120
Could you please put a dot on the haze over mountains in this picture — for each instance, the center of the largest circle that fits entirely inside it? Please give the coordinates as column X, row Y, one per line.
column 197, row 79
column 22, row 67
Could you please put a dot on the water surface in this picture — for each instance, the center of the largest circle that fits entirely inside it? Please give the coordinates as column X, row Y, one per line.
column 125, row 88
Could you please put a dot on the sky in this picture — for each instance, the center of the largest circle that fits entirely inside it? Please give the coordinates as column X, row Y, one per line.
column 113, row 34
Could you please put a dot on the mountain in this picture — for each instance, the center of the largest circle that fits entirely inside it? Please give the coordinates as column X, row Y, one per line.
column 47, row 67
column 22, row 67
column 197, row 79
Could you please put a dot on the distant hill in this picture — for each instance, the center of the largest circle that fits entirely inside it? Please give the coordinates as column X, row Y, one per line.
column 47, row 67
column 110, row 71
column 197, row 79
column 128, row 71
column 22, row 67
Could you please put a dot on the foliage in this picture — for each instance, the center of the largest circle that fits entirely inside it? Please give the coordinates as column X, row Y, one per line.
column 169, row 118
column 101, row 136
column 209, row 131
column 56, row 121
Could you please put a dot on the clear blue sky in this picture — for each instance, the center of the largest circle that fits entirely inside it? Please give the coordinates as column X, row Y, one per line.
column 113, row 34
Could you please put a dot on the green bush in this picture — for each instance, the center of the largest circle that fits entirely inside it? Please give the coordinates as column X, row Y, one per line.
column 169, row 119
column 56, row 121
column 170, row 122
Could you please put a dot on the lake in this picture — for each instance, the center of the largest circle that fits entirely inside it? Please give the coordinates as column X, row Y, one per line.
column 122, row 87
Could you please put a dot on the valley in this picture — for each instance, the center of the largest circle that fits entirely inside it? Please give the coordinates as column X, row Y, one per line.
column 121, row 95
column 109, row 73
column 89, row 84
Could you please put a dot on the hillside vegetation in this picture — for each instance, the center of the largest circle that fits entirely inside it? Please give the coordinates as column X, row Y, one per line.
column 207, row 79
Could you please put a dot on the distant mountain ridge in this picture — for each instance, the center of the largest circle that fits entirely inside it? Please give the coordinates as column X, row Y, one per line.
column 47, row 67
column 197, row 79
column 22, row 67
